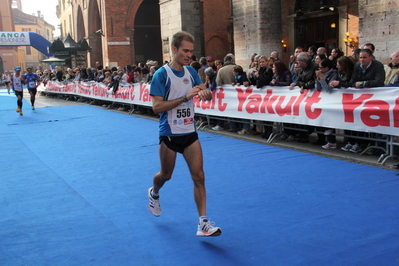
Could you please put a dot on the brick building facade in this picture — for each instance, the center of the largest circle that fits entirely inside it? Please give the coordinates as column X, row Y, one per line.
column 124, row 32
column 8, row 54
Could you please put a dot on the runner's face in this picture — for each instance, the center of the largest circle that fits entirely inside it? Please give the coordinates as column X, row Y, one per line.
column 183, row 54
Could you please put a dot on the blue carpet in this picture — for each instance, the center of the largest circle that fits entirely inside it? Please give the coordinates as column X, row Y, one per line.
column 74, row 186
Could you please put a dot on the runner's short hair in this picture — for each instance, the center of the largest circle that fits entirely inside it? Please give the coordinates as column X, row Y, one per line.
column 180, row 36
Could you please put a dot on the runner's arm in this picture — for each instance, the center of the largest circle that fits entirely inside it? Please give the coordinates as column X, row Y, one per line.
column 159, row 105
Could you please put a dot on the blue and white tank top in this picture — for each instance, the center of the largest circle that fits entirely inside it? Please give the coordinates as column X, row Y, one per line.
column 31, row 80
column 172, row 84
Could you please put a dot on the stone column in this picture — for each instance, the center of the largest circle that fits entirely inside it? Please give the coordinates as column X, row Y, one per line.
column 257, row 28
column 378, row 24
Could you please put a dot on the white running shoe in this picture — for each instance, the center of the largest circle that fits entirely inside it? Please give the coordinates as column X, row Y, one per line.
column 329, row 146
column 347, row 147
column 243, row 132
column 206, row 228
column 355, row 148
column 217, row 128
column 154, row 206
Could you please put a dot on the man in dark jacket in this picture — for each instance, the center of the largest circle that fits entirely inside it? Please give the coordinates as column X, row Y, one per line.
column 368, row 72
column 307, row 74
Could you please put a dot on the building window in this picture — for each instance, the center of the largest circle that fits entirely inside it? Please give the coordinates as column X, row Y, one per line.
column 28, row 50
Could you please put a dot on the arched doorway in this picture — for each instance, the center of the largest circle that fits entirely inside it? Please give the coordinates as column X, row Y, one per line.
column 95, row 33
column 317, row 23
column 218, row 46
column 80, row 25
column 147, row 32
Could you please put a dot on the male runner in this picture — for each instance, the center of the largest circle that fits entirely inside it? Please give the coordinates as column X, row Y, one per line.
column 31, row 78
column 7, row 80
column 17, row 81
column 173, row 88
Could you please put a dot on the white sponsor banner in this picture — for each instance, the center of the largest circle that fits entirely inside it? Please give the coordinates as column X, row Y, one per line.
column 14, row 38
column 369, row 109
column 127, row 93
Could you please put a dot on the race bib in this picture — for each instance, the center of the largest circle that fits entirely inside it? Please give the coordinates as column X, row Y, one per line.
column 182, row 119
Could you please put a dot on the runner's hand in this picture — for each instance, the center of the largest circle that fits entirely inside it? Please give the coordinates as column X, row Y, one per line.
column 204, row 95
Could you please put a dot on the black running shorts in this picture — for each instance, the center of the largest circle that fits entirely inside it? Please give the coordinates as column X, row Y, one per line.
column 179, row 143
column 34, row 90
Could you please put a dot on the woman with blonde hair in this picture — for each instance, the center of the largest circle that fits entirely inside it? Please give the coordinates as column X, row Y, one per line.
column 265, row 72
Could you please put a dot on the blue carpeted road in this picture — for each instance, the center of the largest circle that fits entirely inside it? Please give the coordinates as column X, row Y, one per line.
column 74, row 186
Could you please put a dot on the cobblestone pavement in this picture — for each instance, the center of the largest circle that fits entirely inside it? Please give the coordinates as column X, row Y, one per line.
column 372, row 160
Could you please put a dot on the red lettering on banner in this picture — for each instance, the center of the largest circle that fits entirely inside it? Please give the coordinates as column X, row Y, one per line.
column 396, row 113
column 254, row 103
column 104, row 91
column 220, row 97
column 308, row 107
column 144, row 93
column 298, row 102
column 242, row 97
column 70, row 87
column 377, row 108
column 84, row 90
column 350, row 104
column 124, row 94
column 287, row 110
column 95, row 89
column 268, row 103
column 217, row 98
column 99, row 90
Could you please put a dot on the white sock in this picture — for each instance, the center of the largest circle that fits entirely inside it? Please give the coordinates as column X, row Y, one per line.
column 154, row 194
column 201, row 218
